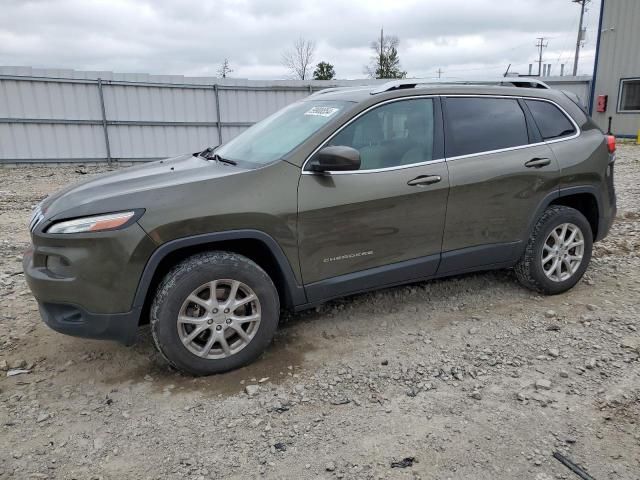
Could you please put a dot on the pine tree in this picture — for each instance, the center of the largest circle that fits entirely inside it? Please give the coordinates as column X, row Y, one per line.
column 324, row 71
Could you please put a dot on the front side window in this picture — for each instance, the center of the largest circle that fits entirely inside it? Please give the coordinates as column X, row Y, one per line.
column 630, row 95
column 551, row 122
column 394, row 134
column 478, row 125
column 278, row 134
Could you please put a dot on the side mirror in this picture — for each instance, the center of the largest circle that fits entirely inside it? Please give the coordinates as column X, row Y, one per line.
column 335, row 158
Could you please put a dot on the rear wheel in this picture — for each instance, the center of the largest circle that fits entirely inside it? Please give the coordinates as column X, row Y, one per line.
column 214, row 312
column 558, row 252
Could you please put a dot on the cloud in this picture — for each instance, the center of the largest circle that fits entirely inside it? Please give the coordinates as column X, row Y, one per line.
column 192, row 37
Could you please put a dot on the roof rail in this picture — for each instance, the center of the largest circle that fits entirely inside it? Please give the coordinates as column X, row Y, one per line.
column 327, row 90
column 524, row 82
column 338, row 89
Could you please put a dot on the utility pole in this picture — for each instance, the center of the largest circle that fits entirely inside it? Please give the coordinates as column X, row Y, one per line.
column 381, row 52
column 540, row 46
column 582, row 4
column 439, row 72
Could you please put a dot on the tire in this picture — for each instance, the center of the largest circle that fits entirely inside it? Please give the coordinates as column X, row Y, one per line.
column 530, row 270
column 186, row 292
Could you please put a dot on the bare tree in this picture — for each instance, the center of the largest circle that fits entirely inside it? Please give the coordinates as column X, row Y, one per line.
column 298, row 58
column 225, row 69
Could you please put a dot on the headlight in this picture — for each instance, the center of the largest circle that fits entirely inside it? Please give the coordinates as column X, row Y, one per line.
column 97, row 223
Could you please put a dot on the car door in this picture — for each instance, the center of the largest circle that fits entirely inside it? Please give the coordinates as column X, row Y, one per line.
column 500, row 171
column 381, row 224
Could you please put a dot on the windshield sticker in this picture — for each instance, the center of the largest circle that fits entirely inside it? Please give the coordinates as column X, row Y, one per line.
column 322, row 111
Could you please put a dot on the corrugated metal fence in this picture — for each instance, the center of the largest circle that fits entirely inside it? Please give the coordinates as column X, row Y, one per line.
column 72, row 116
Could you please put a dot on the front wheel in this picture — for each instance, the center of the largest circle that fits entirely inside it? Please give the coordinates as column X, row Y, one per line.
column 214, row 312
column 558, row 252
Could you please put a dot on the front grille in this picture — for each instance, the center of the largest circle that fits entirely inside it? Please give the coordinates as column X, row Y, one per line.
column 36, row 218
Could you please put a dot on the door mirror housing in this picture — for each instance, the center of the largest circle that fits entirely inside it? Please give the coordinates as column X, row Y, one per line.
column 335, row 158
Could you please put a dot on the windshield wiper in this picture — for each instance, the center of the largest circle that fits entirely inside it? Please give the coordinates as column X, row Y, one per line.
column 208, row 154
column 217, row 157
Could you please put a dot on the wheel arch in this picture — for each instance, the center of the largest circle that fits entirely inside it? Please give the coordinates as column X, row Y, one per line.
column 585, row 199
column 254, row 244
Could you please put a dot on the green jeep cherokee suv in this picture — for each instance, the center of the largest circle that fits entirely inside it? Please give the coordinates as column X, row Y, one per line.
column 349, row 190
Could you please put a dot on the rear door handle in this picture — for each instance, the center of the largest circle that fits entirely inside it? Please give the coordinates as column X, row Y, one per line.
column 424, row 180
column 537, row 163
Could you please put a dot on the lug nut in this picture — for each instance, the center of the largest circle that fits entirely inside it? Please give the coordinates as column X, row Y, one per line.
column 226, row 310
column 215, row 310
column 209, row 321
column 228, row 321
column 219, row 327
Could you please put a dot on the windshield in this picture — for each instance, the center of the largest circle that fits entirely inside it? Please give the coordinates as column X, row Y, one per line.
column 280, row 133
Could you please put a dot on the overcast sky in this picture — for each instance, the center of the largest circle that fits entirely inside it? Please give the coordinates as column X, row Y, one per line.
column 464, row 38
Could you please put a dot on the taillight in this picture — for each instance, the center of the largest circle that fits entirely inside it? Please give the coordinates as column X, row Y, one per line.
column 611, row 143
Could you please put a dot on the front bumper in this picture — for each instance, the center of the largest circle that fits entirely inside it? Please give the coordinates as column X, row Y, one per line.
column 85, row 283
column 76, row 321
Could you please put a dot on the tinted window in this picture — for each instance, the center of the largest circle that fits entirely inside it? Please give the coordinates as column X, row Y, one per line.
column 630, row 95
column 551, row 122
column 483, row 124
column 398, row 133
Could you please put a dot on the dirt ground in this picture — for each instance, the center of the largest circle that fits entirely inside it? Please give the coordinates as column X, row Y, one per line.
column 472, row 377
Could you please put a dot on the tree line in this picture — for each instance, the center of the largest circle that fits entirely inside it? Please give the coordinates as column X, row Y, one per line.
column 299, row 58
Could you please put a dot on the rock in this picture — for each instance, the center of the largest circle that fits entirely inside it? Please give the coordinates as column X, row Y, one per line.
column 42, row 417
column 280, row 447
column 591, row 364
column 17, row 371
column 554, row 352
column 564, row 374
column 476, row 395
column 473, row 330
column 252, row 390
column 591, row 307
column 543, row 384
column 550, row 314
column 631, row 342
column 384, row 362
column 330, row 467
column 404, row 463
column 18, row 364
column 4, row 366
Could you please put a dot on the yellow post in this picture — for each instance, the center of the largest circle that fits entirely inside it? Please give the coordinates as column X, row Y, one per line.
column 638, row 138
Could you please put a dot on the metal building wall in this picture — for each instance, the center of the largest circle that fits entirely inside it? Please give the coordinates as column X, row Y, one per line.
column 49, row 115
column 618, row 57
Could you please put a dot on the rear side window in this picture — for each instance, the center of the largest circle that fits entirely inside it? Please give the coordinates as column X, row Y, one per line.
column 551, row 122
column 483, row 124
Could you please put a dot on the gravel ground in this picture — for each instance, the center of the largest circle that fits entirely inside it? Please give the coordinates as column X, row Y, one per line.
column 467, row 377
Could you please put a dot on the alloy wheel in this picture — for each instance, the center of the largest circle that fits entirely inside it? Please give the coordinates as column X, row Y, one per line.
column 219, row 318
column 562, row 252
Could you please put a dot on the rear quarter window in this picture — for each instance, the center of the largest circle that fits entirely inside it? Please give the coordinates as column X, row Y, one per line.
column 551, row 122
column 476, row 125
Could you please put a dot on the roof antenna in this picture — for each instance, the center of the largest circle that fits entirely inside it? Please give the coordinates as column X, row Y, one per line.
column 507, row 71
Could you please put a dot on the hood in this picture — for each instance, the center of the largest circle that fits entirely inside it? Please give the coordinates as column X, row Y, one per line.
column 112, row 191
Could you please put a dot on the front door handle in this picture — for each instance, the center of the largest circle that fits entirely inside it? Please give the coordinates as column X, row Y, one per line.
column 424, row 180
column 537, row 163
